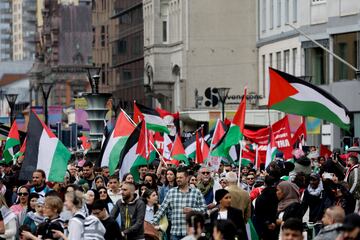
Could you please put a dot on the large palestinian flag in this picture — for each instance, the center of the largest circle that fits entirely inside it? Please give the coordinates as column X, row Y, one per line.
column 292, row 95
column 116, row 142
column 12, row 142
column 138, row 151
column 152, row 118
column 44, row 151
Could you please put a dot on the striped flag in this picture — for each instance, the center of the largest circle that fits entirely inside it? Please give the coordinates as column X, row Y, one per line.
column 116, row 142
column 44, row 151
column 12, row 142
column 271, row 150
column 152, row 118
column 292, row 95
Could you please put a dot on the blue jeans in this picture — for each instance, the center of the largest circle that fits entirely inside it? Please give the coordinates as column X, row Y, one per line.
column 176, row 237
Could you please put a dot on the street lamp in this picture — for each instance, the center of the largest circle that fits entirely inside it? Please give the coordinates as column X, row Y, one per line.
column 223, row 93
column 94, row 78
column 11, row 99
column 46, row 89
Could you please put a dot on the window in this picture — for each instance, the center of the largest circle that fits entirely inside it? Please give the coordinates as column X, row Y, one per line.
column 127, row 74
column 287, row 11
column 263, row 15
column 263, row 73
column 295, row 11
column 103, row 75
column 346, row 46
column 164, row 31
column 271, row 14
column 278, row 13
column 122, row 46
column 286, row 61
column 278, row 60
column 318, row 1
column 103, row 34
column 316, row 65
column 271, row 59
column 294, row 60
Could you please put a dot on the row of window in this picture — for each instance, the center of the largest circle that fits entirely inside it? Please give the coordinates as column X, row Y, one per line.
column 278, row 11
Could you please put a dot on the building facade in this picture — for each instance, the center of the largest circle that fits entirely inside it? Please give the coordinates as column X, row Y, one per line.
column 333, row 24
column 194, row 47
column 5, row 30
column 127, row 52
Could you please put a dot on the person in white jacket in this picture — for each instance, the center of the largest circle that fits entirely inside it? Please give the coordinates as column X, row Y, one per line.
column 9, row 220
column 73, row 203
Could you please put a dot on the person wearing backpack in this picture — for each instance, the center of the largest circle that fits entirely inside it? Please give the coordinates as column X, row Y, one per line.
column 73, row 203
column 132, row 212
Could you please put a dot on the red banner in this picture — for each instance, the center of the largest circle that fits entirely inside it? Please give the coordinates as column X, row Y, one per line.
column 282, row 135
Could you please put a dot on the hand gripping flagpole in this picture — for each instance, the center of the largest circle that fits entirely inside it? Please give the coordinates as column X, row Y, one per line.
column 160, row 155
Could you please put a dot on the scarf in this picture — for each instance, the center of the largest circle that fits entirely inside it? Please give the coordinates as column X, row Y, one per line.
column 349, row 171
column 205, row 189
column 316, row 192
column 8, row 215
column 35, row 217
column 291, row 195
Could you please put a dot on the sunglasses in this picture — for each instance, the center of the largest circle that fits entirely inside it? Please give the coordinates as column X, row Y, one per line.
column 23, row 194
column 205, row 173
column 250, row 178
column 102, row 192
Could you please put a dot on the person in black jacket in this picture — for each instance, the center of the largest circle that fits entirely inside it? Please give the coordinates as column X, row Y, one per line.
column 266, row 211
column 226, row 212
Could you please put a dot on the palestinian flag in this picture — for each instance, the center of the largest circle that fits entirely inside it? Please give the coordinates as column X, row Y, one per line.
column 167, row 146
column 292, row 95
column 136, row 152
column 44, row 151
column 21, row 152
column 271, row 150
column 202, row 149
column 190, row 147
column 152, row 118
column 178, row 151
column 171, row 119
column 251, row 231
column 12, row 142
column 116, row 142
column 235, row 132
column 218, row 134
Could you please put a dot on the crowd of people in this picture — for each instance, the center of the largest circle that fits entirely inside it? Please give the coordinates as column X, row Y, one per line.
column 316, row 197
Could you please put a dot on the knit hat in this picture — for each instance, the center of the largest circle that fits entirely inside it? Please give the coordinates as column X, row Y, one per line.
column 219, row 194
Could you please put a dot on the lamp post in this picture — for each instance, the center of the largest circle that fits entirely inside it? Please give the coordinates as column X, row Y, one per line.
column 223, row 93
column 11, row 99
column 46, row 89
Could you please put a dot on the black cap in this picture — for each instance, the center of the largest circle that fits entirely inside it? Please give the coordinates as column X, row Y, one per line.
column 351, row 221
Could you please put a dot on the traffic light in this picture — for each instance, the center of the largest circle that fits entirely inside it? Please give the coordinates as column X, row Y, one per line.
column 346, row 142
column 56, row 128
column 75, row 133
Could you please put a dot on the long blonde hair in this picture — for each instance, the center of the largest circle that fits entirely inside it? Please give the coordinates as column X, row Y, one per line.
column 3, row 201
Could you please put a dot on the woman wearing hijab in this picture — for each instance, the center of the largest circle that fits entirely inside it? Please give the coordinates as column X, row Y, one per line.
column 289, row 202
column 104, row 196
column 226, row 212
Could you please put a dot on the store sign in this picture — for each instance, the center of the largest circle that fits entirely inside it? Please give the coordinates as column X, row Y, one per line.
column 211, row 98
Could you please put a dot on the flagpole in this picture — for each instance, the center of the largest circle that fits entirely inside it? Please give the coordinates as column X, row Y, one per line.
column 256, row 155
column 240, row 157
column 160, row 155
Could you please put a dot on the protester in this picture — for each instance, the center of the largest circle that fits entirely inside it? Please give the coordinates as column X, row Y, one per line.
column 9, row 219
column 289, row 202
column 114, row 189
column 332, row 221
column 142, row 170
column 99, row 182
column 206, row 186
column 88, row 174
column 38, row 183
column 103, row 196
column 240, row 199
column 111, row 226
column 132, row 213
column 224, row 229
column 174, row 203
column 33, row 219
column 226, row 212
column 128, row 177
column 91, row 196
column 195, row 226
column 292, row 229
column 350, row 228
column 265, row 212
column 170, row 182
column 20, row 208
